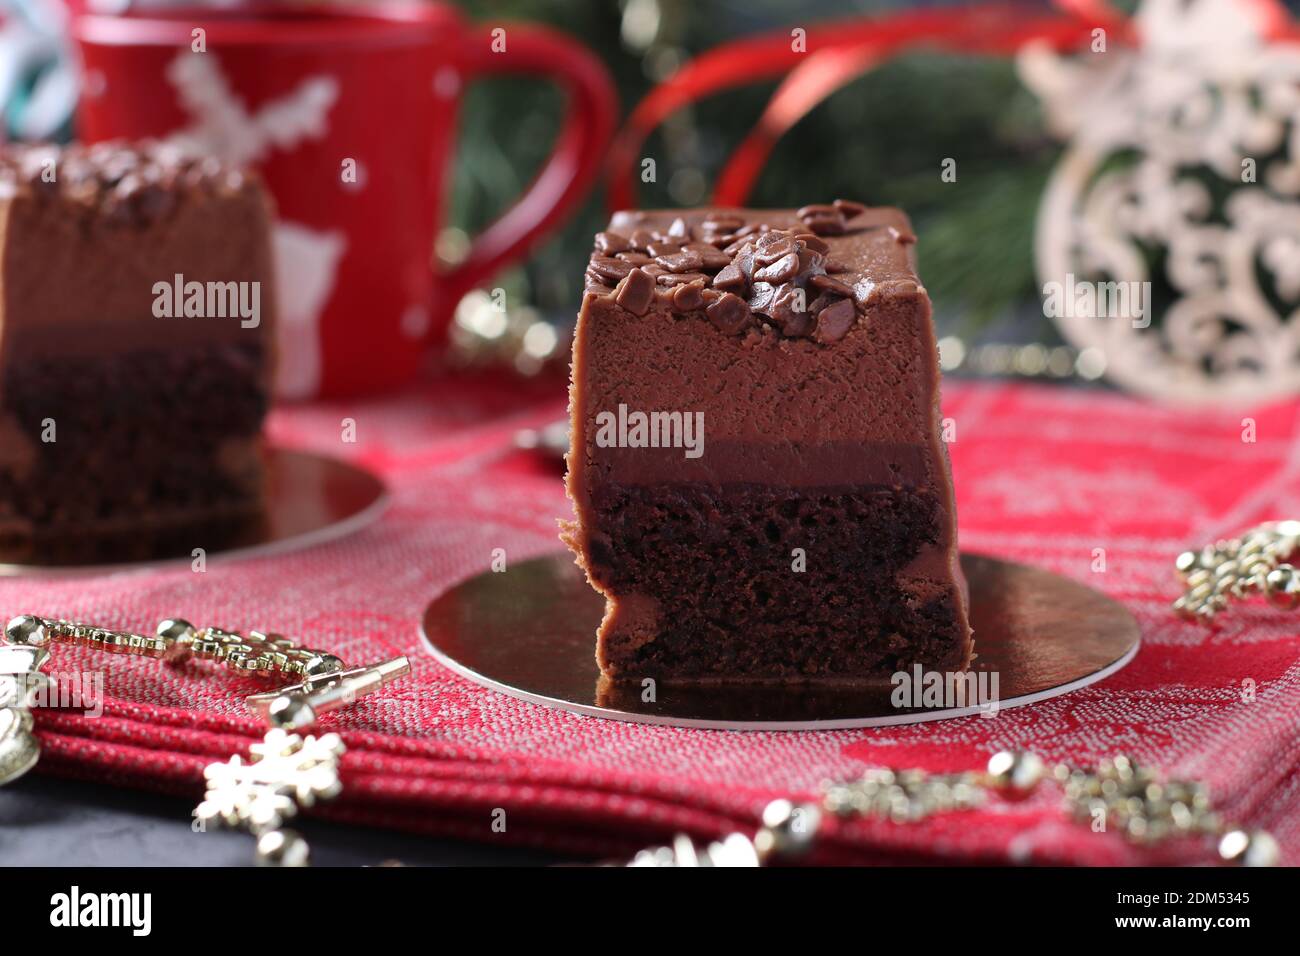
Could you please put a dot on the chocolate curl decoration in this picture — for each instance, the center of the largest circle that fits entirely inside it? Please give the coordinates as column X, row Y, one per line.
column 838, row 52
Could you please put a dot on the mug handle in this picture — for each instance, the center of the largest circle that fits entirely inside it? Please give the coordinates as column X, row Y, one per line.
column 574, row 163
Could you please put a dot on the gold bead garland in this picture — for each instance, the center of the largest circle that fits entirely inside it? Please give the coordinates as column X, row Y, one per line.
column 1237, row 568
column 1117, row 796
column 257, row 653
column 288, row 770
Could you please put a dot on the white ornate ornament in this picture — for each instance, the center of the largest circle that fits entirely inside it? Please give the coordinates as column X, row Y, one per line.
column 1181, row 172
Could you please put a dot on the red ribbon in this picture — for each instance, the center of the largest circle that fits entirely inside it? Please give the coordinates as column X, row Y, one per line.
column 837, row 52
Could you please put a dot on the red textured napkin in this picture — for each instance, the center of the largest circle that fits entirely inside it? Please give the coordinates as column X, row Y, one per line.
column 1043, row 475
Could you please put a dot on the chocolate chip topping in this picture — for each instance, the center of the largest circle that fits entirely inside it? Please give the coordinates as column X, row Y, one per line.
column 739, row 273
column 788, row 284
column 678, row 278
column 834, row 321
column 813, row 242
column 830, row 220
column 829, row 284
column 782, row 270
column 774, row 245
column 713, row 257
column 120, row 184
column 731, row 314
column 688, row 297
column 730, row 278
column 610, row 243
column 687, row 260
column 788, row 308
column 607, row 268
column 722, row 222
column 636, row 292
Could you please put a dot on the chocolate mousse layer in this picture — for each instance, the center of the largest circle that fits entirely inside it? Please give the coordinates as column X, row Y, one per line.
column 136, row 325
column 760, row 487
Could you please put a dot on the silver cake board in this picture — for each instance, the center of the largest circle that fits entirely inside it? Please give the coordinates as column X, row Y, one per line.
column 310, row 499
column 530, row 632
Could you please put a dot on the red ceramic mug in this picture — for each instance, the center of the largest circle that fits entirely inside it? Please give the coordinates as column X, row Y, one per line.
column 350, row 116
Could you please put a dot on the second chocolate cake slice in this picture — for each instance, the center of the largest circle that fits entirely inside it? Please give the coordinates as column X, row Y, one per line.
column 760, row 485
column 136, row 328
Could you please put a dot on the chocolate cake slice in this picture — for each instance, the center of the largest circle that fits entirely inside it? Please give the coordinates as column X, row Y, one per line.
column 136, row 329
column 760, row 485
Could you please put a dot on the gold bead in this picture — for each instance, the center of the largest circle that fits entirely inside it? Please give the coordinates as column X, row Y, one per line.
column 178, row 639
column 175, row 629
column 1123, row 767
column 290, row 713
column 26, row 629
column 1015, row 772
column 788, row 828
column 1256, row 848
column 1283, row 586
column 1185, row 563
column 322, row 664
column 1226, row 568
column 1287, row 529
column 282, row 848
column 113, row 641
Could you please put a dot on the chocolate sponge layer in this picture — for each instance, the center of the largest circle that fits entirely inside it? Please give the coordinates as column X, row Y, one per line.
column 768, row 584
column 141, row 438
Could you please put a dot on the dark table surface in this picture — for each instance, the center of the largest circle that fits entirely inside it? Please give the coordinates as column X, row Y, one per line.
column 47, row 821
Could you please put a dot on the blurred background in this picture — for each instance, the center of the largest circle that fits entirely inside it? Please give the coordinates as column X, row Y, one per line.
column 882, row 137
column 1147, row 143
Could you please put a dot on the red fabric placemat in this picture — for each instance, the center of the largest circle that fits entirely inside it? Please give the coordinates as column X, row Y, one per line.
column 1043, row 475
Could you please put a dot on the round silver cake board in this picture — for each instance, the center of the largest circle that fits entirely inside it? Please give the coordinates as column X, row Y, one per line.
column 530, row 632
column 310, row 499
